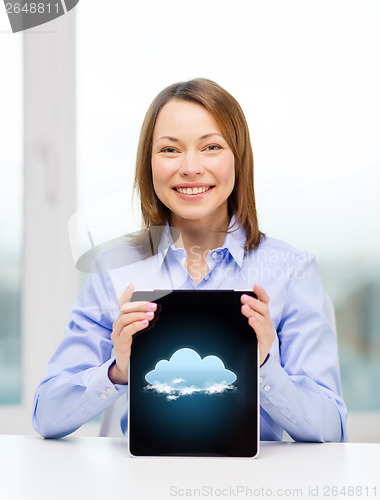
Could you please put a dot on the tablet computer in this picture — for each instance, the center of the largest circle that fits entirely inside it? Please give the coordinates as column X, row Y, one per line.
column 193, row 377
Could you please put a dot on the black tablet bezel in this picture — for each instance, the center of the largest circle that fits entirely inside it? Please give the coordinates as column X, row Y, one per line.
column 220, row 305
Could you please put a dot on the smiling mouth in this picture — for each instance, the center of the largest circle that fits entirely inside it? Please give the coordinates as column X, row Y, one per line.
column 192, row 191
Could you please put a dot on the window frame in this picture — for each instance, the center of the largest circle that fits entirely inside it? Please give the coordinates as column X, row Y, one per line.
column 50, row 281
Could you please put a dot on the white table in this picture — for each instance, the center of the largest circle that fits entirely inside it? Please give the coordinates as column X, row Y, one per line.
column 76, row 468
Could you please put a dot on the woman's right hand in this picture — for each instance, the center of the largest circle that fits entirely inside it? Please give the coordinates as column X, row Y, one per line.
column 133, row 317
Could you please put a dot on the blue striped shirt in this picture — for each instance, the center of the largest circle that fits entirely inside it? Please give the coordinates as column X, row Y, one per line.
column 300, row 389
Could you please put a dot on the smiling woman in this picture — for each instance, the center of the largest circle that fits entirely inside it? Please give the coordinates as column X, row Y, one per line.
column 192, row 153
column 180, row 133
column 194, row 173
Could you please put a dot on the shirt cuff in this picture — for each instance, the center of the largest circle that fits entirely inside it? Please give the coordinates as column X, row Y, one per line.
column 101, row 386
column 272, row 378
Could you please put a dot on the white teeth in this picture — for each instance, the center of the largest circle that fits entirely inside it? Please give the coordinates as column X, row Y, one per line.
column 193, row 190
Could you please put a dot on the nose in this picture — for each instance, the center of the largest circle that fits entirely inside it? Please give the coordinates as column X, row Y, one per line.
column 191, row 165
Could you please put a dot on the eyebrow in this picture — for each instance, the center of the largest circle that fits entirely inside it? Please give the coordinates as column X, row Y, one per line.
column 174, row 139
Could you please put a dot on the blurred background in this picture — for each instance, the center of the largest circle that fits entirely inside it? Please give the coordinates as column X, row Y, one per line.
column 74, row 93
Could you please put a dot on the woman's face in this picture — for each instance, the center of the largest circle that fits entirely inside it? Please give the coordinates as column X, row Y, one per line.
column 192, row 164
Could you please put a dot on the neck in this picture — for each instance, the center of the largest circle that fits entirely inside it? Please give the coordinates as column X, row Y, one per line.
column 198, row 237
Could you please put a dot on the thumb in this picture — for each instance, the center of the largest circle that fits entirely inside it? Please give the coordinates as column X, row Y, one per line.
column 126, row 295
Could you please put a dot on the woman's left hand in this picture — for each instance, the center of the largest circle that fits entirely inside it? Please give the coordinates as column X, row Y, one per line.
column 257, row 312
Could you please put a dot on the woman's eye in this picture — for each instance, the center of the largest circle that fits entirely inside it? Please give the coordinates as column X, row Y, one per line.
column 168, row 150
column 213, row 147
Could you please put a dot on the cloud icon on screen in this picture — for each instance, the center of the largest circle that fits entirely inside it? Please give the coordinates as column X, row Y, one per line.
column 187, row 373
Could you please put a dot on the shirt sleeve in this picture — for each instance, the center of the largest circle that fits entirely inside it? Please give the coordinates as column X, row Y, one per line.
column 76, row 387
column 302, row 391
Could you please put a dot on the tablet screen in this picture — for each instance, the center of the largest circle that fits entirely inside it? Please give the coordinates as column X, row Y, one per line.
column 193, row 379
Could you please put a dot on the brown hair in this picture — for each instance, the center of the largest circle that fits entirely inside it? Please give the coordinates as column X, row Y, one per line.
column 233, row 125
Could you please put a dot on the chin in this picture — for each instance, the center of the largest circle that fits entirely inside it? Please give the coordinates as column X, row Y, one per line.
column 196, row 215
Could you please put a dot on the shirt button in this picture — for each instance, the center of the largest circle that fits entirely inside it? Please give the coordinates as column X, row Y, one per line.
column 109, row 390
column 261, row 379
column 207, row 277
column 267, row 388
column 214, row 255
column 103, row 396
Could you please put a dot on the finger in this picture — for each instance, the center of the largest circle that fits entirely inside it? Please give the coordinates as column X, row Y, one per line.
column 255, row 304
column 138, row 306
column 128, row 331
column 126, row 296
column 261, row 293
column 247, row 310
column 124, row 320
column 257, row 321
column 252, row 323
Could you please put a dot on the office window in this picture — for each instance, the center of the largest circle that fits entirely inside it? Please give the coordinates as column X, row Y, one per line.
column 11, row 220
column 307, row 78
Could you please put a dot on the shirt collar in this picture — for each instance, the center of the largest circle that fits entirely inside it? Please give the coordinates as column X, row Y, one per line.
column 166, row 242
column 234, row 242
